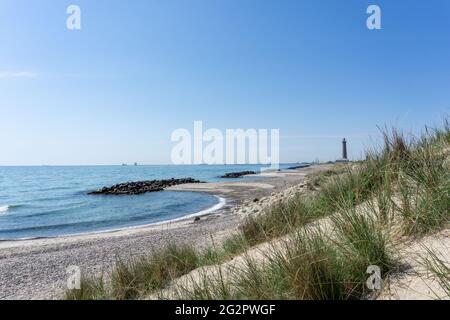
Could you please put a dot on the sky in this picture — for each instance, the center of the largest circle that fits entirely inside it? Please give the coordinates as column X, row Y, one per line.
column 114, row 91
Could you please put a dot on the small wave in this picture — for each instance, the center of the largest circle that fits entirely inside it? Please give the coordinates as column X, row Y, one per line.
column 9, row 207
column 4, row 209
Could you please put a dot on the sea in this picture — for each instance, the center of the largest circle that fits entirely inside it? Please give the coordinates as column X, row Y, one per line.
column 53, row 201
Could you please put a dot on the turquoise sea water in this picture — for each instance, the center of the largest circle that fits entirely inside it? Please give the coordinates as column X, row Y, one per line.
column 53, row 201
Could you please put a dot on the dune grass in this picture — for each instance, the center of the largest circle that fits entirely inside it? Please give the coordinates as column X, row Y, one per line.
column 439, row 269
column 349, row 185
column 308, row 265
column 135, row 278
column 90, row 289
column 405, row 184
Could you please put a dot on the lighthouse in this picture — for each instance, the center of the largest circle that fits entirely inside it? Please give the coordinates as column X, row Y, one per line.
column 344, row 152
column 344, row 149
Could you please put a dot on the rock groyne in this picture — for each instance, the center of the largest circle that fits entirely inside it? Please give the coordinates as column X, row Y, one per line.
column 237, row 174
column 140, row 187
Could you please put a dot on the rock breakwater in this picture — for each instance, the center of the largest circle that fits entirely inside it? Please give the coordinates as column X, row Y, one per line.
column 237, row 174
column 140, row 187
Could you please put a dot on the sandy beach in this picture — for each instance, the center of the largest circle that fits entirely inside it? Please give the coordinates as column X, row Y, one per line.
column 37, row 269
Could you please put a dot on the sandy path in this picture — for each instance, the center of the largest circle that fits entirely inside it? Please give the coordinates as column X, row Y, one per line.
column 416, row 282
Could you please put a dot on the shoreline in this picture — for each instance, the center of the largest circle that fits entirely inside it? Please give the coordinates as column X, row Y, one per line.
column 189, row 187
column 37, row 268
column 202, row 213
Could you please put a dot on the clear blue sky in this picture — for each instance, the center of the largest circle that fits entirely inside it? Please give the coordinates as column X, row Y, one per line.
column 114, row 91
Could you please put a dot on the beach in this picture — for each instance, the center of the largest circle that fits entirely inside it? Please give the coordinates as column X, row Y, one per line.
column 37, row 269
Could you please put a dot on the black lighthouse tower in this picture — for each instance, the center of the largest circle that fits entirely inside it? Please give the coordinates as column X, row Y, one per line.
column 344, row 149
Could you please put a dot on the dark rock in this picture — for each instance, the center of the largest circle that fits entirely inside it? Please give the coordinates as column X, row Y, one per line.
column 299, row 167
column 237, row 174
column 255, row 200
column 140, row 187
column 196, row 219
